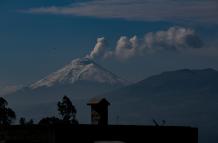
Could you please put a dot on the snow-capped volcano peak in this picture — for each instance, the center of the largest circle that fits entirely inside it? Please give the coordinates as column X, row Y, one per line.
column 81, row 69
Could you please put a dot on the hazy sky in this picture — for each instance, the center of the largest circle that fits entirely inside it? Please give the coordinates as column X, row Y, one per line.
column 132, row 38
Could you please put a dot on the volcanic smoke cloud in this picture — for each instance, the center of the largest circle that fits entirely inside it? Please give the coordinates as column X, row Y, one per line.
column 174, row 39
column 99, row 48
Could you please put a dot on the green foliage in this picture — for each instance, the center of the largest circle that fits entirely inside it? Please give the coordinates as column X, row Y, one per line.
column 67, row 110
column 30, row 122
column 23, row 121
column 49, row 121
column 6, row 114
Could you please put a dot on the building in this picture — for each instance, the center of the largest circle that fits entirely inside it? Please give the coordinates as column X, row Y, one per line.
column 99, row 111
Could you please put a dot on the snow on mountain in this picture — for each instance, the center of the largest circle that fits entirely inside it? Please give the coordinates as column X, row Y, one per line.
column 81, row 69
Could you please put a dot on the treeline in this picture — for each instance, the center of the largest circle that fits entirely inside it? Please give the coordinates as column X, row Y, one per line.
column 65, row 108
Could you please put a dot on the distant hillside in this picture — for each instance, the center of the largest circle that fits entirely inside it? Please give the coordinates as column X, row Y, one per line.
column 182, row 97
column 180, row 82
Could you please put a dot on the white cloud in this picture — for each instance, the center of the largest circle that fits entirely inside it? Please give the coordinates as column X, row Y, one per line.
column 174, row 39
column 4, row 90
column 146, row 10
column 126, row 48
column 99, row 48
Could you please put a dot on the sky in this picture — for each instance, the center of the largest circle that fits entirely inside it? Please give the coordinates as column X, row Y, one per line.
column 132, row 38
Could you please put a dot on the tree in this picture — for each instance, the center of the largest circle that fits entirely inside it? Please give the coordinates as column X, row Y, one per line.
column 6, row 114
column 67, row 110
column 30, row 122
column 22, row 121
column 49, row 121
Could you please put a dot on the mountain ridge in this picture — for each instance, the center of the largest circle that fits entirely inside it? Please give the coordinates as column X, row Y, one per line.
column 181, row 97
column 184, row 79
column 81, row 69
